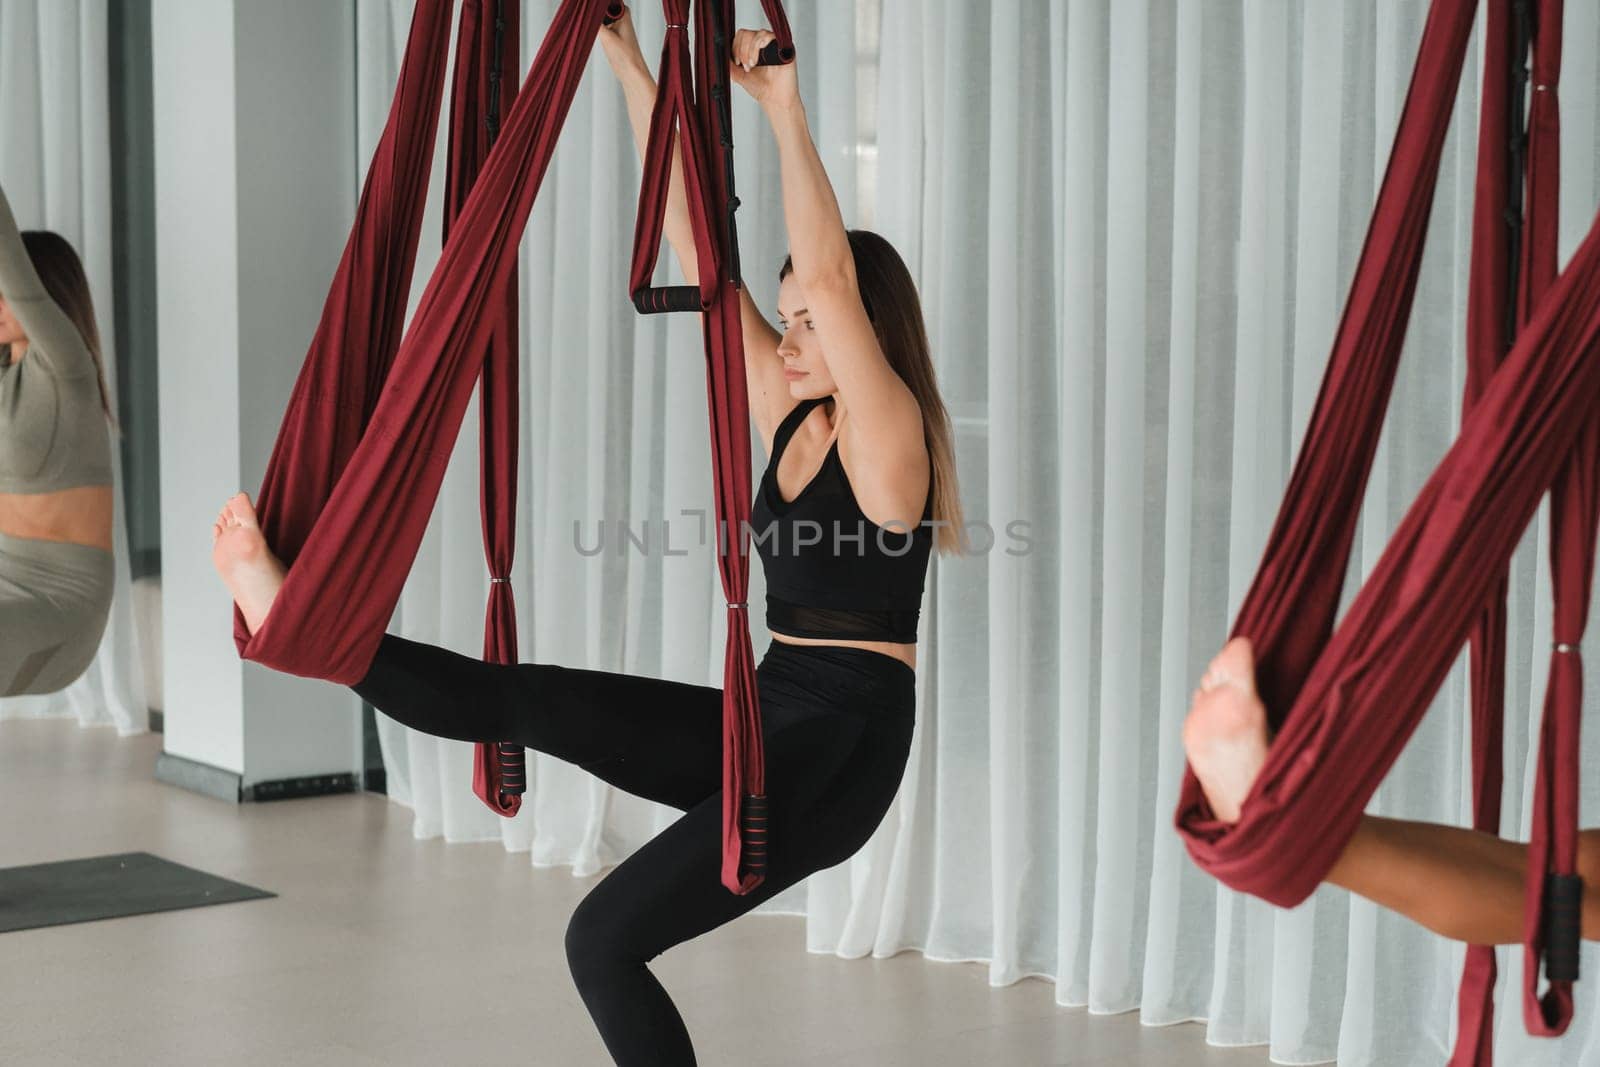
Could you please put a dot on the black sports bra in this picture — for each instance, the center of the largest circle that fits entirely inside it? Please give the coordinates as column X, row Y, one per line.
column 831, row 571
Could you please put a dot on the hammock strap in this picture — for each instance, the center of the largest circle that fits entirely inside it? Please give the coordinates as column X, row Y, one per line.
column 486, row 47
column 695, row 110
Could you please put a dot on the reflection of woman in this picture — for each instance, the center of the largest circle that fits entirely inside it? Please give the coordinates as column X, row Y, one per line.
column 55, row 466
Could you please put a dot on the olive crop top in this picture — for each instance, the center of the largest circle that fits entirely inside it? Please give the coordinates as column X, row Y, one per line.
column 831, row 571
column 53, row 431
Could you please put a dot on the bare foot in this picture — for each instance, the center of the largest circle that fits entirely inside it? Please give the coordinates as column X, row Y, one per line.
column 1225, row 735
column 240, row 554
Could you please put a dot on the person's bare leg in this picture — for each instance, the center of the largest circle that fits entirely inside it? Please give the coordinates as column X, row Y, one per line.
column 240, row 554
column 1461, row 883
column 1464, row 884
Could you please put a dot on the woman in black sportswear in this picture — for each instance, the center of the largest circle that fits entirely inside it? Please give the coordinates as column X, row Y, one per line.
column 859, row 488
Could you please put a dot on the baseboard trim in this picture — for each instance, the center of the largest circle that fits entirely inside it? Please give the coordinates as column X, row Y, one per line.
column 198, row 777
column 315, row 785
column 215, row 782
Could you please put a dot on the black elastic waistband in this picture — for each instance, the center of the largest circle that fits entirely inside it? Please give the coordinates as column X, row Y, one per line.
column 812, row 657
column 840, row 624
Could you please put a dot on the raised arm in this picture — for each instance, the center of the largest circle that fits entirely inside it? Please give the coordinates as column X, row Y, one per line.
column 53, row 341
column 768, row 391
column 886, row 420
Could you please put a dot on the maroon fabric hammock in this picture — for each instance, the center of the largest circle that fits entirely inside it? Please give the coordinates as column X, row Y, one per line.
column 1343, row 702
column 699, row 112
column 1497, row 311
column 487, row 46
column 372, row 420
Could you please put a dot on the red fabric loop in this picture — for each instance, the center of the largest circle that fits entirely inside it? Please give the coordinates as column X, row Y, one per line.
column 374, row 417
column 687, row 104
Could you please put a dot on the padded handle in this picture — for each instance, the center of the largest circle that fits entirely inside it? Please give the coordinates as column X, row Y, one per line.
column 513, row 768
column 753, row 833
column 660, row 300
column 1563, row 921
column 776, row 55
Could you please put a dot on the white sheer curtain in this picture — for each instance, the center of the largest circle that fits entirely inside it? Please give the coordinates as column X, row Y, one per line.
column 55, row 165
column 1133, row 226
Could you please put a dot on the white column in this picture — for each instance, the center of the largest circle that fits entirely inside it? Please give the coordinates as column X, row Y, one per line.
column 255, row 172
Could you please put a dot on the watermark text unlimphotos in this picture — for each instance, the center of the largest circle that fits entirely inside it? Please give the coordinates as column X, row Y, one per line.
column 692, row 532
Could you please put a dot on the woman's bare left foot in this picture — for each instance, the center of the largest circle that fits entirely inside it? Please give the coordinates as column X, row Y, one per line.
column 1225, row 735
column 240, row 554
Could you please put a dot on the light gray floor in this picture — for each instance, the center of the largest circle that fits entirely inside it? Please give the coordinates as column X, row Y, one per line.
column 385, row 950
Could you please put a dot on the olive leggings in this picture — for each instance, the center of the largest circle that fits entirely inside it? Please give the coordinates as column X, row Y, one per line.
column 55, row 598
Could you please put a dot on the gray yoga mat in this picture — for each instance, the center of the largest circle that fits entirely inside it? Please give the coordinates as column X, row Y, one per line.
column 106, row 887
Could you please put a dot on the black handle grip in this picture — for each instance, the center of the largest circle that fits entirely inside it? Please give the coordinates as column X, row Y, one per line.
column 613, row 13
column 668, row 298
column 1563, row 922
column 513, row 768
column 776, row 55
column 753, row 833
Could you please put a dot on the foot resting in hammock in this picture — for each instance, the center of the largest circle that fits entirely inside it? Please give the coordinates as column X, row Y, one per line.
column 240, row 554
column 1225, row 735
column 1460, row 883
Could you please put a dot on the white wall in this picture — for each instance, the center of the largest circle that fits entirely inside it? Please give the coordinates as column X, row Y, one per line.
column 197, row 255
column 255, row 175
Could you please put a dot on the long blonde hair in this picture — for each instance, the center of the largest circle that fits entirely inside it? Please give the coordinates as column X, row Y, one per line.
column 890, row 297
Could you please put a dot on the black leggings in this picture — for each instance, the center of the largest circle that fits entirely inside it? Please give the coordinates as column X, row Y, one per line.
column 837, row 727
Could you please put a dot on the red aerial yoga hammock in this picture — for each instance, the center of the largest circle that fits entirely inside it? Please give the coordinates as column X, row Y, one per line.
column 701, row 112
column 372, row 419
column 1343, row 701
column 486, row 47
column 375, row 418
